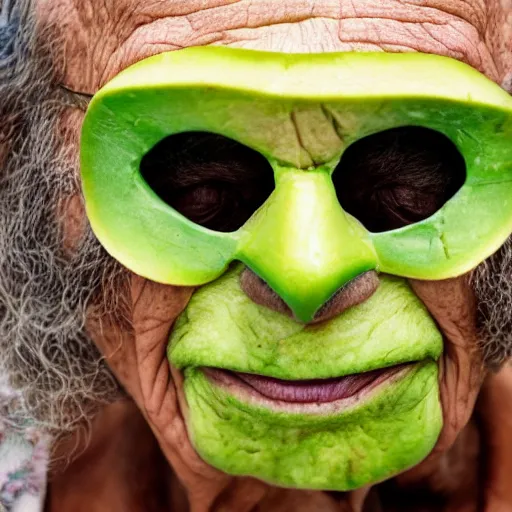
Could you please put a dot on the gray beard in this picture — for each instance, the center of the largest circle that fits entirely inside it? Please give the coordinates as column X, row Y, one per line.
column 58, row 375
column 492, row 284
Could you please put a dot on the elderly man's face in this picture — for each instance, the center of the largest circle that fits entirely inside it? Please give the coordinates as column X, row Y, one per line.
column 97, row 40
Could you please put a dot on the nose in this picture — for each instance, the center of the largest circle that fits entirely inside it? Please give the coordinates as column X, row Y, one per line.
column 305, row 247
column 351, row 294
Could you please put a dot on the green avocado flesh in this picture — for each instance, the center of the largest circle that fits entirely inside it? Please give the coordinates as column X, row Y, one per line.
column 301, row 112
column 392, row 429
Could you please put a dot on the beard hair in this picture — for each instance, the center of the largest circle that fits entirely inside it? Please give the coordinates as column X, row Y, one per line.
column 57, row 375
column 492, row 284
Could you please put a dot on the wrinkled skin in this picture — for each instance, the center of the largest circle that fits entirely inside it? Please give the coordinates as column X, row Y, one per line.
column 102, row 38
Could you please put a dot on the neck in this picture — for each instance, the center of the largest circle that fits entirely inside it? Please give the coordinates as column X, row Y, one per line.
column 117, row 466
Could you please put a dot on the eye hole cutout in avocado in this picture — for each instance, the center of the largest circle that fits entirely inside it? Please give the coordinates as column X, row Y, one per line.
column 210, row 179
column 397, row 177
column 386, row 180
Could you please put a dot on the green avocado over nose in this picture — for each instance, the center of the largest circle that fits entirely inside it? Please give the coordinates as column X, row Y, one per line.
column 301, row 112
column 391, row 430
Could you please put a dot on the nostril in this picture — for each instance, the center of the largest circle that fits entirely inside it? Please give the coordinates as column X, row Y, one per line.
column 261, row 293
column 353, row 293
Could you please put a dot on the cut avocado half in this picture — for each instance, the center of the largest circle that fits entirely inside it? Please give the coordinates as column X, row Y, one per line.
column 300, row 112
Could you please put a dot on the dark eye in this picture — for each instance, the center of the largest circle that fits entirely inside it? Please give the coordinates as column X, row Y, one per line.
column 212, row 180
column 398, row 177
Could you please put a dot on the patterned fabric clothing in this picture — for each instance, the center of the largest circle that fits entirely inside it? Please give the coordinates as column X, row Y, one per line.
column 23, row 466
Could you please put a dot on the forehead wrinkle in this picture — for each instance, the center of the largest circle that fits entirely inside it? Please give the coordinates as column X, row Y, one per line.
column 102, row 39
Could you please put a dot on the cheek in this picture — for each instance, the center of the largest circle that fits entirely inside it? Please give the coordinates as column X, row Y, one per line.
column 452, row 304
column 135, row 346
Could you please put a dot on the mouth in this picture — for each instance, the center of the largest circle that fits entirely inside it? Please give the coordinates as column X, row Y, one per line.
column 318, row 395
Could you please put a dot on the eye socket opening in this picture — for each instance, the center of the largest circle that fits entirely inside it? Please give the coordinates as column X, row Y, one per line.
column 398, row 177
column 210, row 179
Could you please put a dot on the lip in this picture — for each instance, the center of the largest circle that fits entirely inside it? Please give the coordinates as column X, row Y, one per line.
column 306, row 396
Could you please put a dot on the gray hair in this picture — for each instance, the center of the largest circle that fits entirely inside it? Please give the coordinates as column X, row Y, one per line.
column 492, row 283
column 46, row 293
